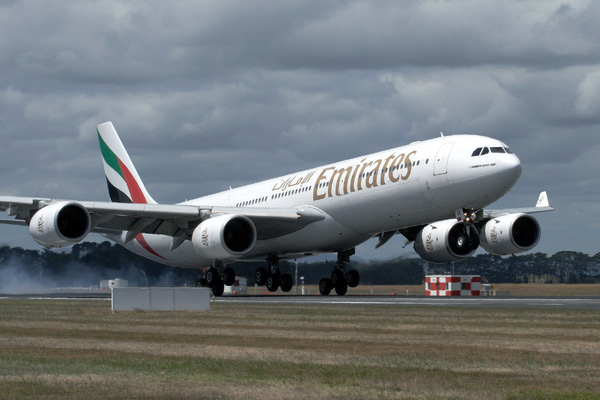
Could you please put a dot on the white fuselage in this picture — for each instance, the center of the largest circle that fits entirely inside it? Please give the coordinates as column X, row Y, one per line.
column 412, row 185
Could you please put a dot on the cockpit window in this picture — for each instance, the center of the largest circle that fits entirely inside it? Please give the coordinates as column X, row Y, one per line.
column 509, row 151
column 485, row 151
column 496, row 149
column 476, row 152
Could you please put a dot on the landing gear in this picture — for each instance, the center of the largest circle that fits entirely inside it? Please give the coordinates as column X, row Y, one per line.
column 229, row 276
column 217, row 277
column 469, row 239
column 261, row 276
column 272, row 277
column 325, row 286
column 340, row 278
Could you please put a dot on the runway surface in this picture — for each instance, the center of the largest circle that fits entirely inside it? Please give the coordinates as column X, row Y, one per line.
column 580, row 303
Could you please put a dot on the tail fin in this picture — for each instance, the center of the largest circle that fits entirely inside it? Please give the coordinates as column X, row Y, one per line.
column 124, row 183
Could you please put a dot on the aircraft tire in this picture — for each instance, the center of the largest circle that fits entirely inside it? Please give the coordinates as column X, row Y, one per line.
column 341, row 288
column 325, row 286
column 474, row 240
column 229, row 276
column 337, row 276
column 212, row 277
column 272, row 283
column 218, row 288
column 353, row 278
column 260, row 276
column 287, row 282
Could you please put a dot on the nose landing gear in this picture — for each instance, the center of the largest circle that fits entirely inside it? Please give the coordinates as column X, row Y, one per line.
column 468, row 239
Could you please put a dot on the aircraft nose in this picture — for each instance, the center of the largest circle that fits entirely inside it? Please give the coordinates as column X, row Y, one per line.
column 511, row 167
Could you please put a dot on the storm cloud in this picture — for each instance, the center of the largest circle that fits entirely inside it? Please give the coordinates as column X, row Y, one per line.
column 207, row 95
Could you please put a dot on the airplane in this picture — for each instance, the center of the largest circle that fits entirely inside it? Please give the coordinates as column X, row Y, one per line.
column 433, row 192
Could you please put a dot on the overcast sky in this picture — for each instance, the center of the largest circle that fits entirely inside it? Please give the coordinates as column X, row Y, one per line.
column 208, row 94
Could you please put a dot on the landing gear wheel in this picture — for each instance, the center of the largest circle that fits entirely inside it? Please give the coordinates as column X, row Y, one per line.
column 474, row 240
column 201, row 282
column 325, row 286
column 337, row 276
column 341, row 288
column 272, row 283
column 462, row 241
column 353, row 278
column 212, row 277
column 261, row 276
column 286, row 282
column 229, row 277
column 218, row 288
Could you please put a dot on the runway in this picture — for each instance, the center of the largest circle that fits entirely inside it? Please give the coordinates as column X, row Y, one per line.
column 579, row 303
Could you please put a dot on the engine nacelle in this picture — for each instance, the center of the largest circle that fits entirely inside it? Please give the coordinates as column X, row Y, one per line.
column 224, row 237
column 445, row 241
column 60, row 224
column 510, row 234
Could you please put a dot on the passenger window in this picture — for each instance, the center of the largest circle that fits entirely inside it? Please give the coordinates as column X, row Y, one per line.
column 485, row 151
column 476, row 152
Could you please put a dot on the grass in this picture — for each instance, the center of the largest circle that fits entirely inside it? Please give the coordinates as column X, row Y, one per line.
column 79, row 349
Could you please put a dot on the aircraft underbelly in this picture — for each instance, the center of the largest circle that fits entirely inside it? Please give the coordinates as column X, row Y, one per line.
column 323, row 236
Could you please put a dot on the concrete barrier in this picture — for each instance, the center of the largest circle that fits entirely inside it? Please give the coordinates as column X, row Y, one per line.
column 160, row 299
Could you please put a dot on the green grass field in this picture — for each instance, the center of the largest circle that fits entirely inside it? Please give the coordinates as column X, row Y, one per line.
column 79, row 349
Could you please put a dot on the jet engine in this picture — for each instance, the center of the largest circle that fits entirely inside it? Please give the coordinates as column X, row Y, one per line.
column 446, row 241
column 224, row 237
column 60, row 224
column 510, row 234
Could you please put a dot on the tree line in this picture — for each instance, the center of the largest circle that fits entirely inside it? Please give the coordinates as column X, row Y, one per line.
column 86, row 264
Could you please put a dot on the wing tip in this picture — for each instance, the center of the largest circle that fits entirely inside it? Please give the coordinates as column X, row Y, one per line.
column 543, row 200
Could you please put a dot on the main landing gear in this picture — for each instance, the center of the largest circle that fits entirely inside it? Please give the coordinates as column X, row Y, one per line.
column 217, row 277
column 340, row 278
column 272, row 277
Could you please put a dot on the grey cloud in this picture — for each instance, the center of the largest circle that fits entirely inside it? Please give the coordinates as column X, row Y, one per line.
column 211, row 94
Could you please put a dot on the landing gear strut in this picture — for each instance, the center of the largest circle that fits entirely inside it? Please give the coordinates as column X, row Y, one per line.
column 272, row 276
column 217, row 277
column 469, row 238
column 340, row 278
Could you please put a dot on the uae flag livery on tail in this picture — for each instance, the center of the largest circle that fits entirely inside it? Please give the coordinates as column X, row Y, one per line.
column 124, row 183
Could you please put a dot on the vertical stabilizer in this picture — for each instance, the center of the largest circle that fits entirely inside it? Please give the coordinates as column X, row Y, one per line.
column 124, row 183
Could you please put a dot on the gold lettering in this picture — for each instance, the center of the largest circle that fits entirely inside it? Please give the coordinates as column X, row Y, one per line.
column 316, row 195
column 371, row 180
column 408, row 165
column 396, row 164
column 308, row 177
column 385, row 165
column 354, row 176
column 362, row 172
column 339, row 173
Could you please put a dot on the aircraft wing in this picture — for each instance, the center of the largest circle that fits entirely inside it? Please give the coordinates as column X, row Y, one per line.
column 178, row 221
column 542, row 205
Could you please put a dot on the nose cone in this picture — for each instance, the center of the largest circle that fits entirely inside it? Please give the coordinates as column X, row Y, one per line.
column 511, row 170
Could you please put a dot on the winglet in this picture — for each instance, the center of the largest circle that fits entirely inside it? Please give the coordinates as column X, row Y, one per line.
column 543, row 200
column 124, row 183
